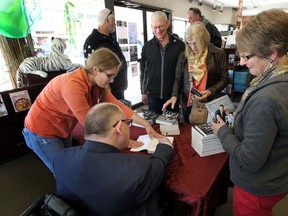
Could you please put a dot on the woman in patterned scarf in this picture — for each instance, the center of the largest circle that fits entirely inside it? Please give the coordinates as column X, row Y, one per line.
column 202, row 66
column 258, row 143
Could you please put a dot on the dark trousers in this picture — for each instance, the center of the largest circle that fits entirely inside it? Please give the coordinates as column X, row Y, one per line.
column 156, row 104
column 119, row 94
column 185, row 113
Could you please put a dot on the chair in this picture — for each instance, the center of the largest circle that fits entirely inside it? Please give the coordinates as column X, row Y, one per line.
column 49, row 205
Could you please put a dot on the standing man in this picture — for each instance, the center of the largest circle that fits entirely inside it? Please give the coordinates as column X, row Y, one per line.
column 103, row 37
column 98, row 179
column 194, row 14
column 158, row 64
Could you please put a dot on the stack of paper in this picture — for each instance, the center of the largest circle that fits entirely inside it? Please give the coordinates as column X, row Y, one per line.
column 149, row 144
column 170, row 129
column 204, row 141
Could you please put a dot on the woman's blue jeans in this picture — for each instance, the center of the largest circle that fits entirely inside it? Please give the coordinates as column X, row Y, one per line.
column 45, row 148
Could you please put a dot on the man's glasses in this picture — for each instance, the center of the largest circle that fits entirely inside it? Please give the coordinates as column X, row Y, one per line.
column 127, row 121
column 246, row 58
column 161, row 28
column 110, row 76
column 111, row 12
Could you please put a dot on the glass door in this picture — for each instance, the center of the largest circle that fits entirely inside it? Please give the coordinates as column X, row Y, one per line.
column 130, row 36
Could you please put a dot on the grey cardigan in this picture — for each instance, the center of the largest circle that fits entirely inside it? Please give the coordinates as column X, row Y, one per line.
column 259, row 145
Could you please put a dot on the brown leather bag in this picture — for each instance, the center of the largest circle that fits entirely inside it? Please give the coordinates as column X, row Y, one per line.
column 199, row 113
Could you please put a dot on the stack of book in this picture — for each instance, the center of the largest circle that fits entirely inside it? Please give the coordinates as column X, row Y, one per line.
column 204, row 141
column 170, row 129
column 149, row 116
column 168, row 118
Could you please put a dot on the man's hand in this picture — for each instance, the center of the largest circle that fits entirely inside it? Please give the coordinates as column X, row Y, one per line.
column 135, row 144
column 144, row 99
column 171, row 101
column 218, row 125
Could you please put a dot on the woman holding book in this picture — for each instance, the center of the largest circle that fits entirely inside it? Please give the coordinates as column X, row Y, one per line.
column 258, row 143
column 202, row 66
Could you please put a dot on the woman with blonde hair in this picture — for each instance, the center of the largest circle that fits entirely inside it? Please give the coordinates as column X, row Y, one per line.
column 66, row 99
column 258, row 143
column 202, row 66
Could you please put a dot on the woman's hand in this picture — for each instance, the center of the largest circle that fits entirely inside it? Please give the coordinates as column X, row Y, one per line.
column 205, row 95
column 152, row 132
column 171, row 101
column 217, row 125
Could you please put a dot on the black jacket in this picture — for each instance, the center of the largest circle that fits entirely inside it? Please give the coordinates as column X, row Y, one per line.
column 158, row 67
column 214, row 33
column 96, row 40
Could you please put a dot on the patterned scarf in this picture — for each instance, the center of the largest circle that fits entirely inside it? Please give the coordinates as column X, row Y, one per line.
column 197, row 71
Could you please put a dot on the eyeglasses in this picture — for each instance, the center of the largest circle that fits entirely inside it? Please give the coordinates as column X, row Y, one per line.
column 190, row 43
column 111, row 12
column 109, row 76
column 161, row 28
column 127, row 121
column 246, row 58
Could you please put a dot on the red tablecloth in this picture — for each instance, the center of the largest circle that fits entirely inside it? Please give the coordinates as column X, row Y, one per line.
column 200, row 183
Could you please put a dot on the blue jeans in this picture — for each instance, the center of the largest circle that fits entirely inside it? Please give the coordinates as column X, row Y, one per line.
column 45, row 148
column 185, row 113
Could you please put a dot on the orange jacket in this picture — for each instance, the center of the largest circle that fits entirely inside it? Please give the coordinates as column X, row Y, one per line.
column 63, row 102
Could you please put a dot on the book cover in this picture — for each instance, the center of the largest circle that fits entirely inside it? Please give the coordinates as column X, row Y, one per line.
column 149, row 144
column 170, row 129
column 3, row 110
column 148, row 115
column 168, row 118
column 214, row 105
column 20, row 100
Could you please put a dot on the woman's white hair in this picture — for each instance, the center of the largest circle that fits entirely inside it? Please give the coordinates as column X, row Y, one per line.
column 103, row 15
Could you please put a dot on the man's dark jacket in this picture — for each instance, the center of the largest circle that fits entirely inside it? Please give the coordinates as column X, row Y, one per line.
column 96, row 40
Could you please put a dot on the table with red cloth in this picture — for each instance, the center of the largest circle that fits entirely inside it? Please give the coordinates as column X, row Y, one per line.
column 199, row 184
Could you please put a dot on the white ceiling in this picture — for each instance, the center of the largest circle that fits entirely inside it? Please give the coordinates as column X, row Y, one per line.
column 250, row 7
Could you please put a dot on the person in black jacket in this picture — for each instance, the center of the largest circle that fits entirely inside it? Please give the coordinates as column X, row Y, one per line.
column 97, row 178
column 103, row 37
column 158, row 63
column 194, row 15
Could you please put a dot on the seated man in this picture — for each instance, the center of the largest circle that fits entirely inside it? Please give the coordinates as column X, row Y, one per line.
column 97, row 178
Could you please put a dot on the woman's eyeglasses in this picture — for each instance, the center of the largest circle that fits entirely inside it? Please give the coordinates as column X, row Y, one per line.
column 246, row 58
column 127, row 121
column 110, row 76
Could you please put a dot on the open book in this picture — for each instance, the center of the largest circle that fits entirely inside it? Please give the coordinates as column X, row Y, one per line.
column 149, row 144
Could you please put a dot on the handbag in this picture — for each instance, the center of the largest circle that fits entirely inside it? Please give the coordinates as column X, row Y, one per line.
column 199, row 113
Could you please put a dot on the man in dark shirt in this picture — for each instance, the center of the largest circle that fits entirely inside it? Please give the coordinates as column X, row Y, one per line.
column 194, row 14
column 103, row 37
column 99, row 179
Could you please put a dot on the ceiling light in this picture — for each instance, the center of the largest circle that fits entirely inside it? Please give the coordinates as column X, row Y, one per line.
column 214, row 8
column 200, row 3
column 190, row 1
column 221, row 10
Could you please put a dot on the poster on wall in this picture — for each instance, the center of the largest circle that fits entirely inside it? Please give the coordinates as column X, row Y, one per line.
column 134, row 69
column 133, row 53
column 125, row 51
column 132, row 32
column 20, row 100
column 122, row 33
column 3, row 110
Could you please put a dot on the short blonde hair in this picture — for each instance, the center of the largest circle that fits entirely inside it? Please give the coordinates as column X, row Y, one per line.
column 103, row 15
column 199, row 33
column 103, row 58
column 267, row 32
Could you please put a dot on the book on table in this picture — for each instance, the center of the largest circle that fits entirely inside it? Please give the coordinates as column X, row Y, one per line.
column 150, row 144
column 170, row 129
column 204, row 141
column 148, row 115
column 168, row 118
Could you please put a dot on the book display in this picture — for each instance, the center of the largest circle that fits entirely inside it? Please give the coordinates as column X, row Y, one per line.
column 168, row 118
column 204, row 141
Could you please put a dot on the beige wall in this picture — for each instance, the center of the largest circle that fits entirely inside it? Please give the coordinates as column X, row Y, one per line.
column 180, row 8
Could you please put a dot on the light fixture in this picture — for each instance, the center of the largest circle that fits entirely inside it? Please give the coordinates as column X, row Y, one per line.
column 200, row 3
column 221, row 10
column 214, row 6
column 190, row 1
